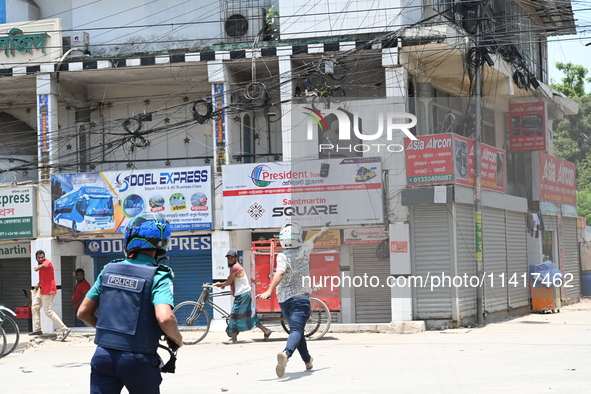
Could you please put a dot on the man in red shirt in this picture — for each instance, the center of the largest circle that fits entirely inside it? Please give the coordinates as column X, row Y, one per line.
column 82, row 287
column 45, row 296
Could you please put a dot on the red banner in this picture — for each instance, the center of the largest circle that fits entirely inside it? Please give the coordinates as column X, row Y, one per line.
column 449, row 158
column 492, row 164
column 527, row 126
column 557, row 180
column 429, row 160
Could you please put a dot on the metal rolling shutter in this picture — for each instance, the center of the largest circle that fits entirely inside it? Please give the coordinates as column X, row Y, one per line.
column 68, row 280
column 494, row 246
column 465, row 223
column 517, row 259
column 190, row 272
column 571, row 257
column 431, row 244
column 15, row 275
column 372, row 304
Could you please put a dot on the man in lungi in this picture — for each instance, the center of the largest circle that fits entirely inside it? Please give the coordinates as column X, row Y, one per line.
column 243, row 316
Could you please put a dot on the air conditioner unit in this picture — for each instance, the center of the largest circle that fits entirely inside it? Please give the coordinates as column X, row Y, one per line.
column 243, row 24
column 77, row 40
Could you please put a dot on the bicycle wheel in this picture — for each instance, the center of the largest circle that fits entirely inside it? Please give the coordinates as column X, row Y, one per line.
column 337, row 94
column 318, row 322
column 12, row 333
column 193, row 322
column 324, row 100
column 2, row 342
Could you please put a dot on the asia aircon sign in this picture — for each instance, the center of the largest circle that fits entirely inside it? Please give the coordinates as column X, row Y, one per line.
column 104, row 202
column 17, row 213
column 311, row 193
column 450, row 158
column 556, row 180
column 527, row 123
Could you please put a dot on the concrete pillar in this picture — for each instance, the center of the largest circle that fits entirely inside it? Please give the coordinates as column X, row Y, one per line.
column 286, row 95
column 424, row 108
column 47, row 124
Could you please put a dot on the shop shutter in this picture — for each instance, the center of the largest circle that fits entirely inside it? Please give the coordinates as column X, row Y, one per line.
column 571, row 257
column 517, row 259
column 190, row 273
column 465, row 223
column 15, row 275
column 431, row 245
column 495, row 259
column 372, row 304
column 68, row 281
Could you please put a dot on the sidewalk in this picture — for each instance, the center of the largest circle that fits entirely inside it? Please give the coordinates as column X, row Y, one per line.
column 531, row 354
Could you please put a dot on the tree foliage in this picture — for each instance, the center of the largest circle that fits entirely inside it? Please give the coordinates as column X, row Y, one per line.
column 572, row 135
column 573, row 82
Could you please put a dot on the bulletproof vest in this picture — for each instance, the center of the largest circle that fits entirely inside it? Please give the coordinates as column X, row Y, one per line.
column 126, row 316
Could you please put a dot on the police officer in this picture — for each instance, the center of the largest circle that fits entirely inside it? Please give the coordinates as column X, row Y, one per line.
column 135, row 299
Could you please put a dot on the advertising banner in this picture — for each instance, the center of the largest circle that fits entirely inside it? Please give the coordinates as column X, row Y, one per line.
column 17, row 213
column 194, row 243
column 527, row 123
column 450, row 158
column 104, row 202
column 311, row 193
column 429, row 160
column 557, row 180
column 363, row 236
column 492, row 164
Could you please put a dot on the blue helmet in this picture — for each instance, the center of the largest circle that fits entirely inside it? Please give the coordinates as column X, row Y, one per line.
column 147, row 231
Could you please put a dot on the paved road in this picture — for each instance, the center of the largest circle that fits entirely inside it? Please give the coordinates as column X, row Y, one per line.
column 531, row 354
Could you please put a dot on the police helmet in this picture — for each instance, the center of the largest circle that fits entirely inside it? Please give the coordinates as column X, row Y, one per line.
column 291, row 236
column 147, row 231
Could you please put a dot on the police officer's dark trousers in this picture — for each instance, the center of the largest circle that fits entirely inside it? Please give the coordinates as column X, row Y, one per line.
column 112, row 369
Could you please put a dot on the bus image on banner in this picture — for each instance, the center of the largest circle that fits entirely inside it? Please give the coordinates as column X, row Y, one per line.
column 89, row 208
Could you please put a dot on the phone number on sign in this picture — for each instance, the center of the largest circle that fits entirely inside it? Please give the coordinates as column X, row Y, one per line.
column 431, row 178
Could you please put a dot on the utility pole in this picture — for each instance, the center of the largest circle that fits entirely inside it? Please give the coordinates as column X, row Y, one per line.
column 478, row 175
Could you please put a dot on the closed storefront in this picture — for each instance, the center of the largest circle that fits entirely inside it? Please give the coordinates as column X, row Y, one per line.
column 466, row 257
column 443, row 245
column 518, row 290
column 15, row 276
column 432, row 252
column 495, row 259
column 373, row 304
column 571, row 258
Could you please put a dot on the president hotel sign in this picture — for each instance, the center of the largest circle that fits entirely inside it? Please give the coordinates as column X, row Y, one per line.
column 38, row 42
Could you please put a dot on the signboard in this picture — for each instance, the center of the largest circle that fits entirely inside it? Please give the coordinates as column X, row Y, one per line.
column 311, row 193
column 176, row 244
column 429, row 160
column 329, row 240
column 104, row 202
column 398, row 247
column 527, row 126
column 17, row 213
column 34, row 42
column 450, row 158
column 363, row 236
column 557, row 180
column 15, row 250
column 492, row 164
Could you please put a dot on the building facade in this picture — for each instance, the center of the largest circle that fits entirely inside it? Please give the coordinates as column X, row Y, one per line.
column 235, row 117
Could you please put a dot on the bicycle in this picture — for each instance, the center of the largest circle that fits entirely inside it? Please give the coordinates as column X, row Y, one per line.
column 194, row 320
column 10, row 329
column 320, row 91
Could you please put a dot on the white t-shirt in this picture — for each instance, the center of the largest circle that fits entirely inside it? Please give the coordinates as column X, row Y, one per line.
column 295, row 264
